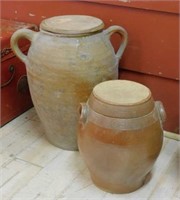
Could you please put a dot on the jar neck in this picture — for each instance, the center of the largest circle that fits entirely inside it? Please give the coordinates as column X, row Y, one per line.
column 123, row 124
column 68, row 35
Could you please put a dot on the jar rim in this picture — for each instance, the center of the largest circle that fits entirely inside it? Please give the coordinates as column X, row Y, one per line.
column 72, row 24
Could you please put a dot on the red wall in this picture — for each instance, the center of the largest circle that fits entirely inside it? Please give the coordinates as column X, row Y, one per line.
column 152, row 55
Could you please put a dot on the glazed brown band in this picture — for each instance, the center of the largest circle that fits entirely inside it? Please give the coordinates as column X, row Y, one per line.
column 123, row 124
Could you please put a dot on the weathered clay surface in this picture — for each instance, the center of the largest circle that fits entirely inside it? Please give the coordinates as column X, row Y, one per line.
column 62, row 71
column 61, row 74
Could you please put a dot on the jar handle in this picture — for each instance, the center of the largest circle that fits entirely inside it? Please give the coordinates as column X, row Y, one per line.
column 123, row 33
column 161, row 111
column 83, row 111
column 21, row 33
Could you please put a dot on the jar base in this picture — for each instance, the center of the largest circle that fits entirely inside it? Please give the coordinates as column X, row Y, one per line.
column 116, row 188
column 66, row 147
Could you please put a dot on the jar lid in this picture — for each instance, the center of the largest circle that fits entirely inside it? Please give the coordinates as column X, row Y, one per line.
column 72, row 24
column 121, row 98
column 121, row 92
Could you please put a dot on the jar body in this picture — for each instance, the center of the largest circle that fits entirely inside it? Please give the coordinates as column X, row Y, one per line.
column 119, row 159
column 61, row 73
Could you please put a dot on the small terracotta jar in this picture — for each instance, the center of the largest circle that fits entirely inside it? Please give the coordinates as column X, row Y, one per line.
column 120, row 134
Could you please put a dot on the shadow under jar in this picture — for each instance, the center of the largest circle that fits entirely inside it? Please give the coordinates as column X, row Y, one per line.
column 120, row 134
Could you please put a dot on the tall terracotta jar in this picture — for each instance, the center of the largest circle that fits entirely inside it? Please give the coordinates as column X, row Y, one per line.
column 66, row 59
column 120, row 134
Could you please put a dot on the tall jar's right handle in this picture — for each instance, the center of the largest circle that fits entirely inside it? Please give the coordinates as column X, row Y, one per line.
column 123, row 33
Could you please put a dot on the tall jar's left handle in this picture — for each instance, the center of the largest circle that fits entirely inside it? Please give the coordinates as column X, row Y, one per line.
column 21, row 33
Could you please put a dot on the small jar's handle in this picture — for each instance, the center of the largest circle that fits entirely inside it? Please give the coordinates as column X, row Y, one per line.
column 123, row 33
column 21, row 33
column 161, row 111
column 83, row 111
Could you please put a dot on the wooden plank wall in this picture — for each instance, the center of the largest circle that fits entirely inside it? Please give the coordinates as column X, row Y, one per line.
column 152, row 55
